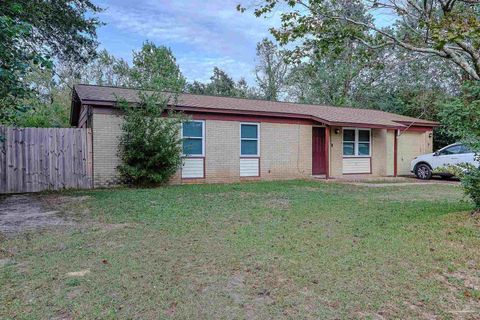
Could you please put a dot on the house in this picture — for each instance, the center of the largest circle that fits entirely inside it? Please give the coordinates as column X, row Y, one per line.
column 235, row 139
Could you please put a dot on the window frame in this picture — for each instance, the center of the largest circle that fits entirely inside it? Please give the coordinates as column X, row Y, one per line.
column 357, row 142
column 250, row 139
column 190, row 137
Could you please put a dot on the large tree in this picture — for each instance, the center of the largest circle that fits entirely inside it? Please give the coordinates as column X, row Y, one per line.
column 34, row 33
column 271, row 70
column 222, row 84
column 449, row 29
column 155, row 67
column 335, row 77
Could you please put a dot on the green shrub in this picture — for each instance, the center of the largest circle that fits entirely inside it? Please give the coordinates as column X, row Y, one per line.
column 471, row 185
column 469, row 176
column 461, row 118
column 150, row 145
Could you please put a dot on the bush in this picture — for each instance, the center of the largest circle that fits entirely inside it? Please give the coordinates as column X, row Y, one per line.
column 471, row 186
column 469, row 176
column 150, row 146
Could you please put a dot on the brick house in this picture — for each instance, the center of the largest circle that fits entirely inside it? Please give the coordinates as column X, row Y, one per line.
column 234, row 139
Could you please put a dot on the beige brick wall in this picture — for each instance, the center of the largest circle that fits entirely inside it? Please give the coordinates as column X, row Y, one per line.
column 222, row 158
column 336, row 152
column 381, row 151
column 281, row 155
column 390, row 150
column 286, row 151
column 106, row 132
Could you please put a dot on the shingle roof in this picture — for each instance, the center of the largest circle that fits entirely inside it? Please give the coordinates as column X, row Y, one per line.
column 108, row 96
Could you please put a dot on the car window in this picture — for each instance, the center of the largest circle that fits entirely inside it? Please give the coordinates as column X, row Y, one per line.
column 452, row 150
column 466, row 149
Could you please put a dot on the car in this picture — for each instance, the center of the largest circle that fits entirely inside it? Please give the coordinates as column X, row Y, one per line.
column 423, row 166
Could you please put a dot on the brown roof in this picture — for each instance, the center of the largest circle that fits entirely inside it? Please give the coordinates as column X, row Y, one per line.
column 108, row 96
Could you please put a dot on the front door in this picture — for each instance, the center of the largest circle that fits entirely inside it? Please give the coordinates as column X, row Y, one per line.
column 318, row 151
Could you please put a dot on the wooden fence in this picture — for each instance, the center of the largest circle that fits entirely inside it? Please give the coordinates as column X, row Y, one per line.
column 37, row 159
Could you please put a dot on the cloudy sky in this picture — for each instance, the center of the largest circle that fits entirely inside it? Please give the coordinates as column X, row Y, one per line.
column 202, row 34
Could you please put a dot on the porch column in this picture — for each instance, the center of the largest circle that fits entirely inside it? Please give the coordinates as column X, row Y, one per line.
column 327, row 152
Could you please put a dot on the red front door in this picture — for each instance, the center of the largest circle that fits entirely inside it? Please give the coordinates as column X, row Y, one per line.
column 318, row 151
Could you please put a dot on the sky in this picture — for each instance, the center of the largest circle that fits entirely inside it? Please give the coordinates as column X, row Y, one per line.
column 202, row 34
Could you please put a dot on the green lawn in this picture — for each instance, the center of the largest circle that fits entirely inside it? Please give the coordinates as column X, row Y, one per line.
column 298, row 249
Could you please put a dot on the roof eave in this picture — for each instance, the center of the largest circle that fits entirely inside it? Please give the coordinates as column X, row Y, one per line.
column 418, row 123
column 111, row 103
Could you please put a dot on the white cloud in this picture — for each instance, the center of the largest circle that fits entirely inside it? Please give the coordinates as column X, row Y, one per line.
column 202, row 34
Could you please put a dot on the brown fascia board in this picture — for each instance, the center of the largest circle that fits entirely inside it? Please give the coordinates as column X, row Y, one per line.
column 104, row 103
column 419, row 123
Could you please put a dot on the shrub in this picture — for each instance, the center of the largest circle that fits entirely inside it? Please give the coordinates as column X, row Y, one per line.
column 150, row 146
column 469, row 176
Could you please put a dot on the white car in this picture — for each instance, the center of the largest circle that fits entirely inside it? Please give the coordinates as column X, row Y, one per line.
column 457, row 153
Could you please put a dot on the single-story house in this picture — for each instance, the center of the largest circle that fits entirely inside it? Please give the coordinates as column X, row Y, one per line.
column 236, row 139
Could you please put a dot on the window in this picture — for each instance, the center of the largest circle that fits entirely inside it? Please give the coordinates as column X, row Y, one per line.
column 356, row 142
column 466, row 149
column 193, row 133
column 452, row 150
column 249, row 137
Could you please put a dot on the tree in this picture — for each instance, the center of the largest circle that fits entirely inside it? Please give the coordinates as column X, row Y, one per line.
column 150, row 145
column 221, row 84
column 391, row 80
column 333, row 78
column 106, row 70
column 155, row 67
column 443, row 28
column 461, row 116
column 271, row 69
column 50, row 106
column 196, row 87
column 36, row 32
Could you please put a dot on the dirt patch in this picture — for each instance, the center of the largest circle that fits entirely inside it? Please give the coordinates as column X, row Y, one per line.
column 20, row 213
column 278, row 203
column 55, row 200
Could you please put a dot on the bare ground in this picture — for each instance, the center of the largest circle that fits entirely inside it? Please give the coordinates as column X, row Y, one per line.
column 20, row 213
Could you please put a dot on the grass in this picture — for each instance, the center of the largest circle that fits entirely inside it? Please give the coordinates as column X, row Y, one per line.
column 297, row 249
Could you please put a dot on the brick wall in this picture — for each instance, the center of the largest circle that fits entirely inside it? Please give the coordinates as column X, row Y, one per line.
column 281, row 154
column 285, row 151
column 381, row 151
column 106, row 132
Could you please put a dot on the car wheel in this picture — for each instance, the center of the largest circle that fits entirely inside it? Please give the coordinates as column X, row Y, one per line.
column 423, row 171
